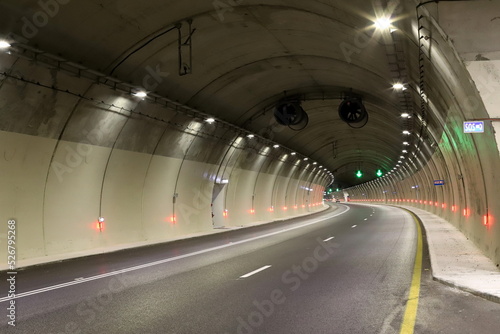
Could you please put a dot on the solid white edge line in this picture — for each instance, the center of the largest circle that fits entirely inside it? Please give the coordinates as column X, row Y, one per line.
column 255, row 271
column 326, row 240
column 155, row 263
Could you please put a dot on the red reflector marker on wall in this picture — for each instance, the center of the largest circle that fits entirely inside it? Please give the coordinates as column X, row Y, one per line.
column 100, row 223
column 487, row 220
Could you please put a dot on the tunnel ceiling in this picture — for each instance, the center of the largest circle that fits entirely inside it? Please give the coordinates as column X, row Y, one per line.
column 248, row 55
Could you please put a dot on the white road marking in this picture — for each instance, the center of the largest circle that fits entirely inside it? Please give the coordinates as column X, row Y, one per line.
column 353, row 226
column 366, row 218
column 155, row 263
column 329, row 239
column 79, row 279
column 255, row 272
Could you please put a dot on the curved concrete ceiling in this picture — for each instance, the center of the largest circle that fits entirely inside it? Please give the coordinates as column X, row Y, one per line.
column 248, row 55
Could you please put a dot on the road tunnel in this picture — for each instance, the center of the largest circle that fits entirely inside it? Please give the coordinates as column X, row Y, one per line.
column 128, row 123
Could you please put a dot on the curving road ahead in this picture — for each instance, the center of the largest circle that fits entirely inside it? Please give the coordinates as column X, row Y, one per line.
column 347, row 270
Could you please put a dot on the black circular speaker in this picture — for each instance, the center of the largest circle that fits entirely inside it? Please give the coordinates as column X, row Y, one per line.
column 352, row 111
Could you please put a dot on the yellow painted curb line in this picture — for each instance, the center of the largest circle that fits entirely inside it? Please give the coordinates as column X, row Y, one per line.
column 410, row 316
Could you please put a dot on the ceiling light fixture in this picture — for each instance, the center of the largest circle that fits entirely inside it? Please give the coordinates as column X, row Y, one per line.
column 383, row 23
column 141, row 94
column 4, row 45
column 210, row 120
column 398, row 86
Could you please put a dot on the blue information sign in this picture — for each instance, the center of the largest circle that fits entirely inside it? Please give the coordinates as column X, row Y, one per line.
column 474, row 127
column 439, row 182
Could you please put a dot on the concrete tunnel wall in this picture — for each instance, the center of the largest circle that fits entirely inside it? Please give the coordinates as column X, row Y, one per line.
column 151, row 172
column 468, row 163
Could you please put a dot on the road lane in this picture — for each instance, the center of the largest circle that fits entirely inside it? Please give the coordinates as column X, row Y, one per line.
column 354, row 283
column 101, row 266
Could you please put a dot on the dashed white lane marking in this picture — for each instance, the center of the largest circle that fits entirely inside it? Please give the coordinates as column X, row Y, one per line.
column 326, row 240
column 255, row 272
column 366, row 218
column 353, row 226
column 155, row 263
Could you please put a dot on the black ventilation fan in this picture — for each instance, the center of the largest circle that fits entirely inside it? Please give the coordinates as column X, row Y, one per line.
column 291, row 114
column 353, row 112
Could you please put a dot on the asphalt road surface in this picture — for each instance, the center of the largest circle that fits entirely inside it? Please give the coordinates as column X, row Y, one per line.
column 350, row 269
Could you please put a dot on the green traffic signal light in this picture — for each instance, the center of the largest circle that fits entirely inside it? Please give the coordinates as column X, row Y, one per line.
column 359, row 174
column 379, row 173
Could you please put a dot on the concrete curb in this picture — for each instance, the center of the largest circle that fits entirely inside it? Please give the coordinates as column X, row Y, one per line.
column 484, row 295
column 455, row 260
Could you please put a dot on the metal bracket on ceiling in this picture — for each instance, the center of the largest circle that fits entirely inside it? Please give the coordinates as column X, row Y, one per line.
column 185, row 44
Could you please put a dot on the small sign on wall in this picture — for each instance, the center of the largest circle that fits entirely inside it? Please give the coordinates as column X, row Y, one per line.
column 474, row 127
column 439, row 182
